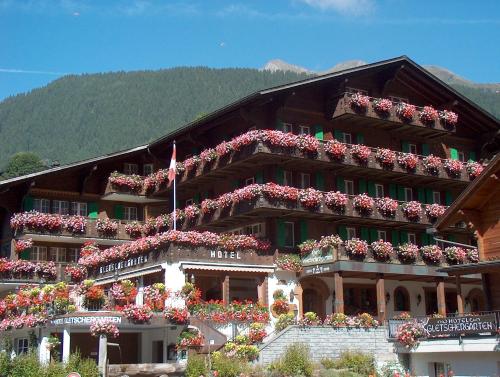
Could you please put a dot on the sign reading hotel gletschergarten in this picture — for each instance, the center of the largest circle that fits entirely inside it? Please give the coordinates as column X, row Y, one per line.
column 123, row 264
column 84, row 320
column 460, row 325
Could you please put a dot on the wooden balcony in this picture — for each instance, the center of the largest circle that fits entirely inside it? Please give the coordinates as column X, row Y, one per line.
column 120, row 194
column 8, row 279
column 389, row 122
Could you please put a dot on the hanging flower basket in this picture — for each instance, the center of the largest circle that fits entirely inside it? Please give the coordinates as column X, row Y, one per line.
column 336, row 201
column 453, row 168
column 138, row 314
column 123, row 292
column 155, row 296
column 382, row 251
column 107, row 227
column 280, row 306
column 432, row 164
column 432, row 254
column 405, row 111
column 386, row 158
column 310, row 198
column 434, row 211
column 363, row 204
column 359, row 102
column 382, row 106
column 408, row 253
column 289, row 262
column 21, row 245
column 76, row 273
column 473, row 169
column 190, row 338
column 428, row 115
column 455, row 255
column 472, row 255
column 408, row 161
column 448, row 118
column 177, row 316
column 336, row 150
column 412, row 210
column 134, row 229
column 104, row 327
column 410, row 333
column 356, row 248
column 257, row 333
column 387, row 207
column 360, row 153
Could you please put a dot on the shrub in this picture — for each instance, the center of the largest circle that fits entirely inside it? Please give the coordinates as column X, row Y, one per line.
column 86, row 367
column 225, row 366
column 5, row 364
column 339, row 373
column 26, row 366
column 295, row 362
column 284, row 320
column 196, row 366
column 357, row 362
column 328, row 363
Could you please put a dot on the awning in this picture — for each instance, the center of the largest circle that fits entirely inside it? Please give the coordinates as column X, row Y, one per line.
column 129, row 275
column 226, row 267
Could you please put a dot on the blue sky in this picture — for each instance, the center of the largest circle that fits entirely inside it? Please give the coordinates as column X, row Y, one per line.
column 41, row 40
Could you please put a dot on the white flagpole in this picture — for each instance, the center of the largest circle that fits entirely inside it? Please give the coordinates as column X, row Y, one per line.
column 175, row 199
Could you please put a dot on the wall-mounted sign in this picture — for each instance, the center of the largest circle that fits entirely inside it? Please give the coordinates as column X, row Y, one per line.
column 318, row 269
column 318, row 256
column 124, row 264
column 84, row 320
column 460, row 325
column 220, row 254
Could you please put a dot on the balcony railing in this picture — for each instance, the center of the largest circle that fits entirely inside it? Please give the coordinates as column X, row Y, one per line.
column 345, row 107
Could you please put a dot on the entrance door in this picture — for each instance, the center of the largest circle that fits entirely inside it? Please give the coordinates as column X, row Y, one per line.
column 313, row 302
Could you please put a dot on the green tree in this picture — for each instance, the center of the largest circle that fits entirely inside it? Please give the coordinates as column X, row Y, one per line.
column 23, row 163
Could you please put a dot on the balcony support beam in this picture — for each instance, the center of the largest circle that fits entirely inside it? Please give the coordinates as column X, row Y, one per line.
column 460, row 298
column 339, row 292
column 225, row 289
column 441, row 300
column 381, row 307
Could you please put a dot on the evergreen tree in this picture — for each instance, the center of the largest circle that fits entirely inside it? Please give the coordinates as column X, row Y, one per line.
column 22, row 163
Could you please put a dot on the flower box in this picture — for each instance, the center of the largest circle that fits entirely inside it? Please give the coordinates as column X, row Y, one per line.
column 177, row 316
column 107, row 227
column 448, row 118
column 428, row 115
column 138, row 314
column 360, row 153
column 434, row 211
column 289, row 262
column 336, row 150
column 432, row 164
column 432, row 254
column 453, row 168
column 412, row 210
column 387, row 207
column 359, row 102
column 408, row 161
column 474, row 169
column 407, row 253
column 455, row 255
column 336, row 201
column 363, row 204
column 382, row 106
column 382, row 251
column 310, row 198
column 124, row 182
column 405, row 111
column 356, row 248
column 386, row 158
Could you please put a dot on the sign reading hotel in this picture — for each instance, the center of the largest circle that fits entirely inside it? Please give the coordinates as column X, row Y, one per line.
column 460, row 325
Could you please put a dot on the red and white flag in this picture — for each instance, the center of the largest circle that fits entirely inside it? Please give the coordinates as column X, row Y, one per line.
column 172, row 168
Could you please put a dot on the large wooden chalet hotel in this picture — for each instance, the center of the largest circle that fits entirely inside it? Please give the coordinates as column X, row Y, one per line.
column 294, row 205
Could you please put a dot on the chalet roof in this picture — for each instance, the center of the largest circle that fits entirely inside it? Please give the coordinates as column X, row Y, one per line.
column 484, row 186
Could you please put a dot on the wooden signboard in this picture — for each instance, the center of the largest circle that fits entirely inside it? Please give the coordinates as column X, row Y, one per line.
column 460, row 325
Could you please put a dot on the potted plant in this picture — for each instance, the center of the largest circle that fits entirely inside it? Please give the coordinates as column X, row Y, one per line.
column 432, row 164
column 356, row 248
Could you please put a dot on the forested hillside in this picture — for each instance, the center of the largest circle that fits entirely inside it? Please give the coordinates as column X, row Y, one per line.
column 77, row 117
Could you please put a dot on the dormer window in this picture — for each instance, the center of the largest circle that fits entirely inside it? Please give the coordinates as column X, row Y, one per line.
column 304, row 130
column 130, row 169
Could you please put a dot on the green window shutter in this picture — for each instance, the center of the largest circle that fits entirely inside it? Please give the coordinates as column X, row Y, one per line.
column 373, row 235
column 421, row 194
column 342, row 230
column 279, row 125
column 304, row 234
column 93, row 210
column 362, row 186
column 425, row 149
column 259, row 177
column 401, row 193
column 318, row 131
column 405, row 147
column 429, row 198
column 472, row 156
column 395, row 238
column 365, row 235
column 236, row 183
column 403, row 236
column 448, row 198
column 197, row 198
column 205, row 195
column 28, row 203
column 453, row 154
column 118, row 211
column 280, row 175
column 371, row 189
column 360, row 139
column 281, row 233
column 320, row 181
column 25, row 254
column 338, row 135
column 393, row 191
column 340, row 184
column 425, row 239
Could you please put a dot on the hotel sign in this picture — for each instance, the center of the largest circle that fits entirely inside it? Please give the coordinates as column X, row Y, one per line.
column 319, row 256
column 123, row 264
column 84, row 320
column 318, row 269
column 460, row 325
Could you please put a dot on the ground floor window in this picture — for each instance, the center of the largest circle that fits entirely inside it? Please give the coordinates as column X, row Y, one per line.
column 22, row 345
column 359, row 299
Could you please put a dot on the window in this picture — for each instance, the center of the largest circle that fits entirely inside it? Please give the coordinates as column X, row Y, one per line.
column 57, row 254
column 461, row 156
column 349, row 187
column 382, row 235
column 188, row 202
column 305, row 180
column 356, row 90
column 408, row 194
column 289, row 234
column 412, row 238
column 130, row 169
column 249, row 181
column 287, row 127
column 287, row 178
column 39, row 253
column 379, row 191
column 256, row 230
column 346, row 138
column 304, row 130
column 398, row 99
column 79, row 208
column 41, row 205
column 436, row 197
column 401, row 300
column 73, row 253
column 412, row 148
column 351, row 233
column 22, row 345
column 130, row 213
column 147, row 169
column 60, row 207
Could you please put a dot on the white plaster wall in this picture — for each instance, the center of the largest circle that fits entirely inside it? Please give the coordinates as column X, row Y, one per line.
column 168, row 334
column 462, row 363
column 174, row 281
column 286, row 281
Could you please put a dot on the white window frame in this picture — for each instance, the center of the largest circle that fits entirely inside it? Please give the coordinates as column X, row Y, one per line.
column 147, row 169
column 305, row 180
column 57, row 254
column 436, row 197
column 79, row 208
column 461, row 156
column 408, row 194
column 412, row 148
column 412, row 238
column 188, row 202
column 351, row 90
column 287, row 178
column 304, row 130
column 382, row 235
column 22, row 345
column 128, row 213
column 349, row 187
column 72, row 254
column 256, row 230
column 38, row 253
column 130, row 168
column 347, row 137
column 41, row 205
column 60, row 207
column 288, row 127
column 249, row 181
column 292, row 225
column 379, row 190
column 351, row 233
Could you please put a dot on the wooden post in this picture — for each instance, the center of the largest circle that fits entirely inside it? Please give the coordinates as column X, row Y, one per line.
column 460, row 298
column 380, row 287
column 441, row 301
column 339, row 292
column 225, row 290
column 262, row 291
column 298, row 293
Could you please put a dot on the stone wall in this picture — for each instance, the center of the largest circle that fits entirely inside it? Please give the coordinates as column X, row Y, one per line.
column 329, row 342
